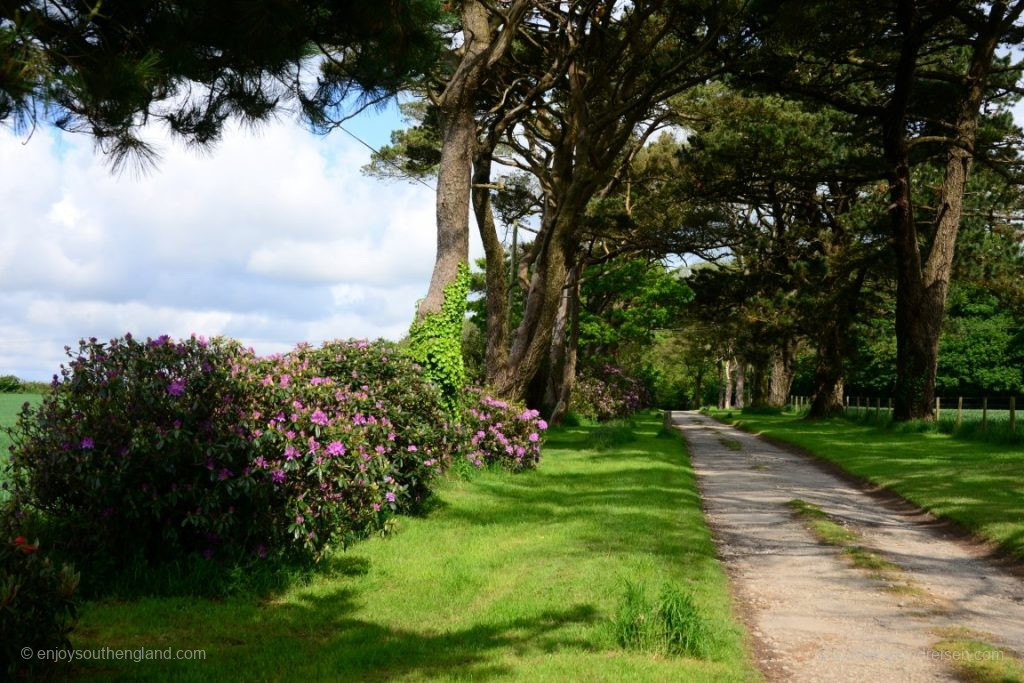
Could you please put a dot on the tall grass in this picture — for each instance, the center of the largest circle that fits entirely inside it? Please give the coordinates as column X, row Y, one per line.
column 670, row 625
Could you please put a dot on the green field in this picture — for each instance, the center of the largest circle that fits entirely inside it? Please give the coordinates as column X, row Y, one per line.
column 976, row 484
column 10, row 404
column 514, row 576
column 947, row 413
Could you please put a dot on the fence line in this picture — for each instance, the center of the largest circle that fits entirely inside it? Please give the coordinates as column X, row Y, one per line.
column 858, row 405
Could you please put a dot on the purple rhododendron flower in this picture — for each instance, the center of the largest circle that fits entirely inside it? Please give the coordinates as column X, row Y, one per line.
column 390, row 497
column 319, row 418
column 335, row 448
column 87, row 442
column 278, row 476
column 534, row 436
column 176, row 387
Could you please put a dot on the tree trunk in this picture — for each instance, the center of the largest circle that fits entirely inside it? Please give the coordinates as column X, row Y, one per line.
column 783, row 365
column 922, row 287
column 532, row 340
column 727, row 400
column 829, row 371
column 760, row 380
column 698, row 385
column 741, row 376
column 483, row 45
column 496, row 356
column 557, row 354
column 459, row 134
column 571, row 346
column 721, row 384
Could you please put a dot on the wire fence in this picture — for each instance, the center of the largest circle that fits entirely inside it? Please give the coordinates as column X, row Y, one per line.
column 983, row 412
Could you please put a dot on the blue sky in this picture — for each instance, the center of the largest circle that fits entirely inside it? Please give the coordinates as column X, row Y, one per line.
column 275, row 237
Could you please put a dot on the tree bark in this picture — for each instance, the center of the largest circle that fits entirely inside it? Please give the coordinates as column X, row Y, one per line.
column 698, row 385
column 760, row 380
column 783, row 365
column 496, row 355
column 728, row 384
column 830, row 369
column 741, row 376
column 571, row 346
column 721, row 384
column 922, row 287
column 482, row 46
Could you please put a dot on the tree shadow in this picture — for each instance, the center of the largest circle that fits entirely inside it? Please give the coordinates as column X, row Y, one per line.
column 318, row 637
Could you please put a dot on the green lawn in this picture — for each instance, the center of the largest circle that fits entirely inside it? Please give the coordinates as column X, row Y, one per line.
column 513, row 577
column 979, row 485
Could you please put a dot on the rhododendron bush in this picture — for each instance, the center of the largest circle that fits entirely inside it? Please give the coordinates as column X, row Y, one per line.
column 161, row 448
column 37, row 607
column 607, row 394
column 500, row 433
column 347, row 435
column 137, row 450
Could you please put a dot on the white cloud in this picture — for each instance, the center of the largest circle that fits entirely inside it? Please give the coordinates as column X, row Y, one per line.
column 273, row 238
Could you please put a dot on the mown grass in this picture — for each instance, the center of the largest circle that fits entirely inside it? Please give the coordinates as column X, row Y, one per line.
column 978, row 485
column 517, row 577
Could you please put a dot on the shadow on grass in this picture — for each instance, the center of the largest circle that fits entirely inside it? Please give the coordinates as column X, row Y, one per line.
column 317, row 638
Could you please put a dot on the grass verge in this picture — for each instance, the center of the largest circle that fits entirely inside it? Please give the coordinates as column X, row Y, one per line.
column 978, row 485
column 518, row 577
column 976, row 660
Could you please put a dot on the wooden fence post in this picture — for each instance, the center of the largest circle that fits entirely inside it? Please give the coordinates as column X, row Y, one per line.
column 959, row 411
column 984, row 414
column 890, row 406
column 938, row 408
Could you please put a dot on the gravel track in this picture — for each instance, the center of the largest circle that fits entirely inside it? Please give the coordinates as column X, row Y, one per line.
column 812, row 615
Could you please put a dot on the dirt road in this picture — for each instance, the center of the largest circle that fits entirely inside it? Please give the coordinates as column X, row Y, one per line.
column 814, row 616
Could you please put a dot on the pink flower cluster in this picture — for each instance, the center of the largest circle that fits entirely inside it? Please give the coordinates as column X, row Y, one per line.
column 500, row 433
column 320, row 427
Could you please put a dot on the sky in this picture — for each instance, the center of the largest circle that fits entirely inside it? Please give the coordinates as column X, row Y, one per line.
column 274, row 237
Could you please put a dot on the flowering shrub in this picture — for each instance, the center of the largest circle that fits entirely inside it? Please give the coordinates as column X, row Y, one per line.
column 500, row 433
column 37, row 608
column 157, row 449
column 347, row 435
column 608, row 394
column 137, row 451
